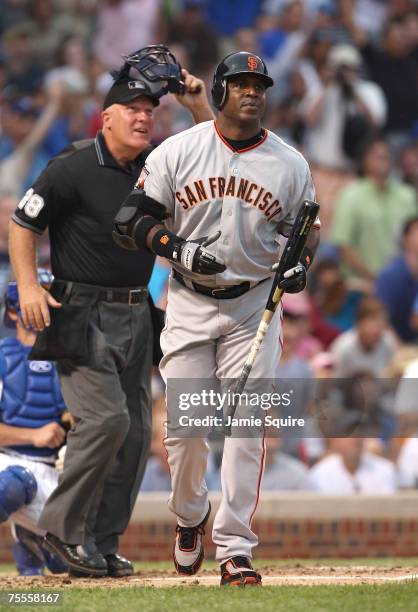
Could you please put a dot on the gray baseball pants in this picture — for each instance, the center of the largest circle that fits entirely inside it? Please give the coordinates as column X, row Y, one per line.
column 109, row 398
column 206, row 338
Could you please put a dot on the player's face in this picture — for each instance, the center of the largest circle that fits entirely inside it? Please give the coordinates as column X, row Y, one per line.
column 246, row 97
column 131, row 124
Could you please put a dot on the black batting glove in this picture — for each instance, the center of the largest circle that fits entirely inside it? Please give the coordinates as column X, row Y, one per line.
column 294, row 279
column 193, row 256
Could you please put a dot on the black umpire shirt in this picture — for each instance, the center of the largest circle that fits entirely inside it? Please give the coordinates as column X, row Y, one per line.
column 77, row 197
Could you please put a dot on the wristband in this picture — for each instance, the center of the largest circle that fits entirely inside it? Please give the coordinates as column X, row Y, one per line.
column 165, row 244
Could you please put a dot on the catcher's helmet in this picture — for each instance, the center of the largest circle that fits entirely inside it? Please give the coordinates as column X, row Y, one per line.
column 157, row 66
column 237, row 63
column 11, row 297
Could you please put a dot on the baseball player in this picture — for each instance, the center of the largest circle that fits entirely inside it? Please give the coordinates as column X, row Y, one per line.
column 242, row 186
column 31, row 407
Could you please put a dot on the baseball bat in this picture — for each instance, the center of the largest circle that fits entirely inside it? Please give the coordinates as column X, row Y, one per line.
column 292, row 253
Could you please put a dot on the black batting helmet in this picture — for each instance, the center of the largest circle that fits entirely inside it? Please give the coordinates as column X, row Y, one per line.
column 237, row 63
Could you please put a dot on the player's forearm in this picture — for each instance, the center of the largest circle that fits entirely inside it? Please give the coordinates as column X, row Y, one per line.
column 163, row 243
column 150, row 236
column 191, row 255
column 195, row 98
column 146, row 231
column 15, row 436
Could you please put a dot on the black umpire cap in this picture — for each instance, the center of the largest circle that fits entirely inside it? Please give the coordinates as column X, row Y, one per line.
column 126, row 90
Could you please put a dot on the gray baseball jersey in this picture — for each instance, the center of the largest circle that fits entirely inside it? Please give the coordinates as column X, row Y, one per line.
column 252, row 197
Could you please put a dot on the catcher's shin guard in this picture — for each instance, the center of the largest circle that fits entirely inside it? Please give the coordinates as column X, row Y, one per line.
column 238, row 571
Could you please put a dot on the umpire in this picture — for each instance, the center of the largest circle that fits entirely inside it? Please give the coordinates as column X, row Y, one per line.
column 96, row 321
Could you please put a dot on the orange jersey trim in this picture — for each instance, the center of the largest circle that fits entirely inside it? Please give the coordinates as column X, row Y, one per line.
column 240, row 150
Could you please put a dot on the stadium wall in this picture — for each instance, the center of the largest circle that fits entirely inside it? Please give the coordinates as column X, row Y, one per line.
column 289, row 525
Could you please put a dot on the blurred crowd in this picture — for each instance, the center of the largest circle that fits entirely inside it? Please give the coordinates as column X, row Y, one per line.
column 346, row 95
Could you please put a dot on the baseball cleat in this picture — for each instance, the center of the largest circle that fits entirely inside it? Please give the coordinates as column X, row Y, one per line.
column 188, row 551
column 238, row 571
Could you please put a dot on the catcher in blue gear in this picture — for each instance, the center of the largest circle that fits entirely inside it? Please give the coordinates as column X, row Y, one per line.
column 31, row 433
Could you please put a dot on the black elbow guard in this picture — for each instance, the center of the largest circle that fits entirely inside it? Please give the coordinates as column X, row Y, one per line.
column 137, row 216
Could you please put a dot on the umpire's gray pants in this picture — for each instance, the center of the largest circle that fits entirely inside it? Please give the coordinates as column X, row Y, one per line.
column 109, row 398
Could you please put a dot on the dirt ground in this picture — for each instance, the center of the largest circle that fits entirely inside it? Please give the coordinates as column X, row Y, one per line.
column 293, row 575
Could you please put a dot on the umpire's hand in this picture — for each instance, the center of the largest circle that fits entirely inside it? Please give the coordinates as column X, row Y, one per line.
column 34, row 303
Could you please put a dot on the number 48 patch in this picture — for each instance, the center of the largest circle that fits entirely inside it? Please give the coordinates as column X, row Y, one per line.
column 32, row 203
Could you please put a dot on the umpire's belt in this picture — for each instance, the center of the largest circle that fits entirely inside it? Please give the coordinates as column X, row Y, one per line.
column 64, row 290
column 219, row 293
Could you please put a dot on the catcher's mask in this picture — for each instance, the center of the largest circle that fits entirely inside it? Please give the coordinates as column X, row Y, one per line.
column 237, row 63
column 156, row 67
column 11, row 297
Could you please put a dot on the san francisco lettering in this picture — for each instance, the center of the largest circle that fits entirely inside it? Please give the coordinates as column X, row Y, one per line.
column 218, row 187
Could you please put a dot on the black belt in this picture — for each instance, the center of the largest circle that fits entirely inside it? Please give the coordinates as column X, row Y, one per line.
column 219, row 293
column 62, row 290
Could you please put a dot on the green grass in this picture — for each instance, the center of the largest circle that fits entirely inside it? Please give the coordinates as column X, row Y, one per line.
column 367, row 598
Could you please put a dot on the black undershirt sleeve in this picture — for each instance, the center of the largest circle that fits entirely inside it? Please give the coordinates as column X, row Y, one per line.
column 49, row 194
